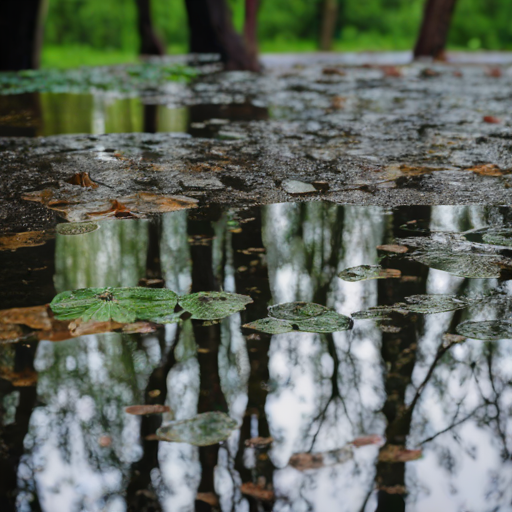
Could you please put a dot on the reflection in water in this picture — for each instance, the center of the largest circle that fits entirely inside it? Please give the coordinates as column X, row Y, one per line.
column 43, row 114
column 71, row 446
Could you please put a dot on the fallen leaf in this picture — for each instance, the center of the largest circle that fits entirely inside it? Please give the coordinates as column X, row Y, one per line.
column 208, row 497
column 494, row 72
column 367, row 440
column 82, row 179
column 259, row 442
column 21, row 240
column 397, row 453
column 491, row 120
column 79, row 328
column 104, row 441
column 142, row 410
column 258, row 492
column 333, row 71
column 35, row 317
column 488, row 170
column 391, row 71
column 367, row 272
column 11, row 333
column 398, row 249
column 338, row 102
column 304, row 461
column 23, row 379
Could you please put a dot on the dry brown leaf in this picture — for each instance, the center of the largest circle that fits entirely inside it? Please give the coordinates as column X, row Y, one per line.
column 139, row 327
column 303, row 461
column 338, row 102
column 10, row 333
column 492, row 120
column 258, row 492
column 393, row 489
column 367, row 440
column 23, row 379
column 397, row 249
column 389, row 273
column 79, row 328
column 20, row 240
column 82, row 179
column 141, row 410
column 259, row 442
column 391, row 71
column 494, row 72
column 454, row 338
column 333, row 71
column 208, row 497
column 397, row 453
column 104, row 441
column 488, row 170
column 36, row 317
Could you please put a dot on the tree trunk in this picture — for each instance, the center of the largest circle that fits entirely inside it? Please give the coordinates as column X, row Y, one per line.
column 212, row 31
column 150, row 44
column 21, row 33
column 251, row 26
column 434, row 28
column 329, row 16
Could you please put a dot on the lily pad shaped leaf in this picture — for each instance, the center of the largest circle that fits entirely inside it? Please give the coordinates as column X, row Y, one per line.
column 366, row 272
column 123, row 305
column 475, row 266
column 213, row 305
column 76, row 228
column 431, row 304
column 499, row 237
column 295, row 311
column 202, row 430
column 301, row 316
column 489, row 330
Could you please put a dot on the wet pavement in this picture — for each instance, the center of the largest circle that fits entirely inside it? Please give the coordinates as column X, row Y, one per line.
column 350, row 214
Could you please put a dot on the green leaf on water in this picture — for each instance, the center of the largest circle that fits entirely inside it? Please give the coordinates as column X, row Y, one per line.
column 303, row 317
column 488, row 330
column 498, row 237
column 213, row 305
column 296, row 310
column 123, row 305
column 424, row 304
column 271, row 326
column 366, row 272
column 202, row 430
column 76, row 228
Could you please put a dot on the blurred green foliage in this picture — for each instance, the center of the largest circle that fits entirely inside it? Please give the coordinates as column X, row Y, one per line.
column 102, row 32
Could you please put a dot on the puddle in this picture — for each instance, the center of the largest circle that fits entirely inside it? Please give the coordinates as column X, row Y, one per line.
column 387, row 384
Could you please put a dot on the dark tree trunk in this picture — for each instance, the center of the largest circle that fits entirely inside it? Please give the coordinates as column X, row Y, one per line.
column 251, row 26
column 212, row 31
column 329, row 15
column 21, row 33
column 434, row 28
column 150, row 44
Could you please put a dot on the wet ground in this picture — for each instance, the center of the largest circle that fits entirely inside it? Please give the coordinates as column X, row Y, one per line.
column 370, row 193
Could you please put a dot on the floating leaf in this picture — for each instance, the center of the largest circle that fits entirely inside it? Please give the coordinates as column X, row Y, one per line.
column 304, row 461
column 213, row 305
column 367, row 440
column 326, row 322
column 271, row 326
column 141, row 410
column 294, row 311
column 123, row 305
column 76, row 228
column 379, row 312
column 499, row 237
column 35, row 317
column 21, row 240
column 488, row 330
column 259, row 442
column 257, row 491
column 396, row 453
column 470, row 265
column 431, row 304
column 365, row 272
column 393, row 248
column 202, row 430
column 297, row 187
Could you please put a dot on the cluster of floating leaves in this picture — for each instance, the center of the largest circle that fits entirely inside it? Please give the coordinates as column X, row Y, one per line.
column 129, row 78
column 302, row 317
column 125, row 305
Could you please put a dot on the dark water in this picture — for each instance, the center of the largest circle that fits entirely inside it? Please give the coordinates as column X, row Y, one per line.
column 68, row 444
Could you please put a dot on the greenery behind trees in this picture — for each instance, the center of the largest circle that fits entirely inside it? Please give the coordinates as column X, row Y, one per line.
column 99, row 31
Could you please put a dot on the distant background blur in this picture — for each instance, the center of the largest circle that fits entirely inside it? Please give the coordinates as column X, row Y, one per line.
column 98, row 32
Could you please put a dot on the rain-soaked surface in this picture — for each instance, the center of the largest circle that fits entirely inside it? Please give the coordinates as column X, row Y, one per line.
column 245, row 292
column 376, row 412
